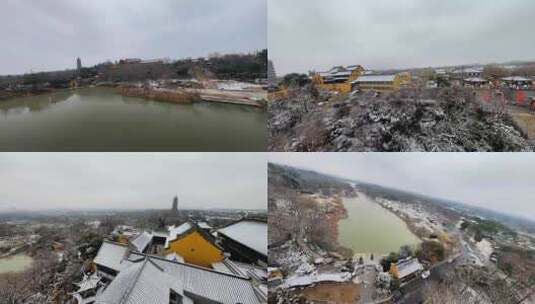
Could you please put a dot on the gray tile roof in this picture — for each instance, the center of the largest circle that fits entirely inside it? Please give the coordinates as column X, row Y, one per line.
column 217, row 286
column 252, row 234
column 111, row 255
column 141, row 242
column 375, row 78
column 147, row 279
column 407, row 267
column 143, row 282
column 516, row 78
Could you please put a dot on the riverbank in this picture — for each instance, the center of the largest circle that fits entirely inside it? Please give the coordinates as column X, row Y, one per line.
column 173, row 96
column 14, row 251
column 7, row 95
column 248, row 98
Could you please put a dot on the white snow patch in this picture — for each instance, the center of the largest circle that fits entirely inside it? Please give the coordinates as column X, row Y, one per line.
column 295, row 281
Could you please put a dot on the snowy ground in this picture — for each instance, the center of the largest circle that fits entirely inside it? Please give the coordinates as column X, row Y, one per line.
column 485, row 248
column 415, row 213
column 235, row 86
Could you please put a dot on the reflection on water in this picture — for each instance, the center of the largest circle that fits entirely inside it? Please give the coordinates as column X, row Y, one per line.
column 23, row 105
column 370, row 228
column 16, row 263
column 98, row 119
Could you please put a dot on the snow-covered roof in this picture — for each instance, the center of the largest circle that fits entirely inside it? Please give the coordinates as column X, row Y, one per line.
column 408, row 267
column 110, row 255
column 88, row 282
column 177, row 231
column 141, row 242
column 204, row 225
column 173, row 256
column 217, row 286
column 468, row 70
column 375, row 78
column 252, row 234
column 516, row 78
column 140, row 283
column 241, row 269
column 341, row 74
column 475, row 79
column 352, row 67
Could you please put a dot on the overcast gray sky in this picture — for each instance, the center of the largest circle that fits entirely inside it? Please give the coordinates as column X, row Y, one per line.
column 48, row 35
column 36, row 181
column 499, row 181
column 380, row 34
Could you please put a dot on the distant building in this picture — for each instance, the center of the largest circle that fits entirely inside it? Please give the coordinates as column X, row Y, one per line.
column 124, row 233
column 129, row 60
column 338, row 78
column 476, row 81
column 78, row 67
column 382, row 82
column 518, row 82
column 464, row 73
column 245, row 240
column 174, row 208
column 271, row 74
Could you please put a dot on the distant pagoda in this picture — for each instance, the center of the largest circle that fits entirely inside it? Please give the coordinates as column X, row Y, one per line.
column 174, row 209
column 78, row 67
column 271, row 74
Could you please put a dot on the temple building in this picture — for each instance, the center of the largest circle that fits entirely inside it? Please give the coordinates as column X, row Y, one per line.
column 406, row 269
column 245, row 240
column 381, row 83
column 337, row 78
column 194, row 245
column 131, row 277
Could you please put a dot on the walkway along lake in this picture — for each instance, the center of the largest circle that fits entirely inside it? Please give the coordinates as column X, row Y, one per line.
column 15, row 263
column 369, row 228
column 99, row 119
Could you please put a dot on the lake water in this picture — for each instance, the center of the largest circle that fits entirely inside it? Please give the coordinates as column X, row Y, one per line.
column 98, row 119
column 370, row 228
column 15, row 263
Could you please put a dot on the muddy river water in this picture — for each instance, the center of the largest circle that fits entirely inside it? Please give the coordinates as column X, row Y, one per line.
column 15, row 263
column 369, row 228
column 99, row 119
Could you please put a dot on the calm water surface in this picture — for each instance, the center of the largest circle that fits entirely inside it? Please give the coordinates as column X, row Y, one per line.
column 370, row 228
column 98, row 119
column 16, row 263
